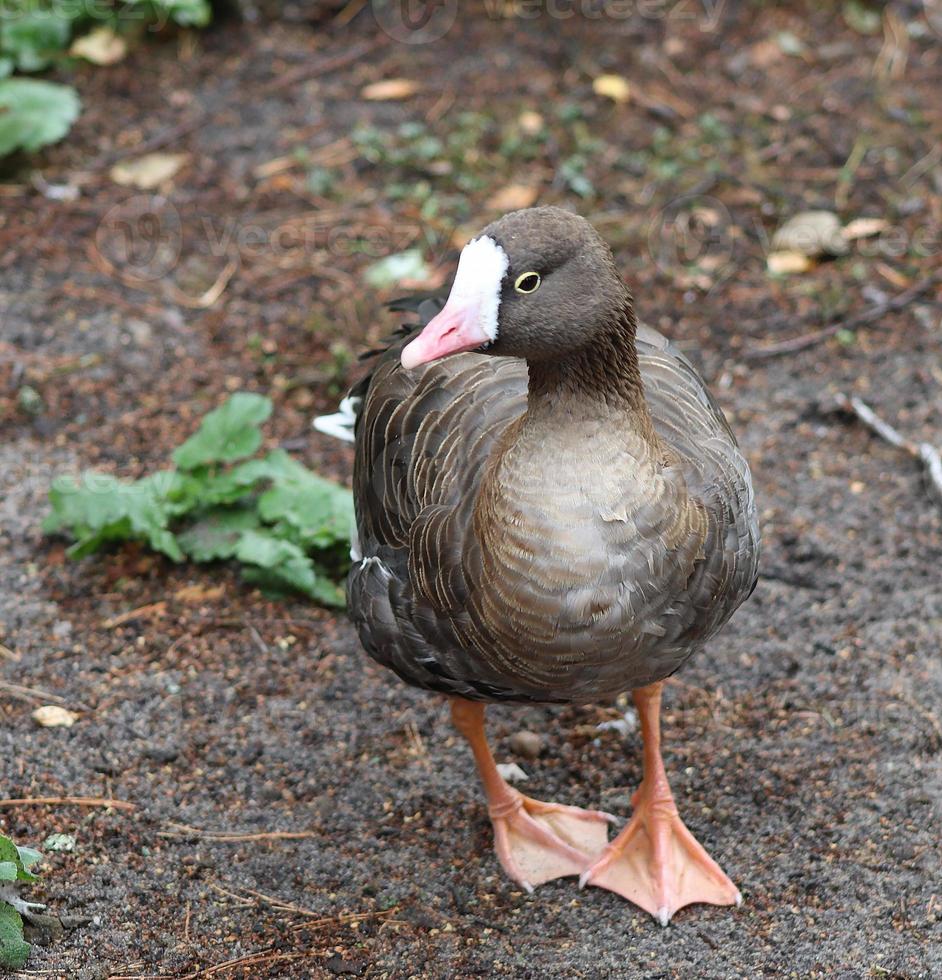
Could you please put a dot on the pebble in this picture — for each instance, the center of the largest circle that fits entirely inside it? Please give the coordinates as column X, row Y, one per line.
column 526, row 744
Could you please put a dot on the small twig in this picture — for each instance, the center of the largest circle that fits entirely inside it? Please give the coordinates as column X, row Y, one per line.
column 252, row 959
column 229, row 837
column 418, row 744
column 70, row 801
column 241, row 899
column 802, row 342
column 202, row 302
column 253, row 897
column 348, row 13
column 260, row 644
column 927, row 454
column 441, row 105
column 32, row 694
column 7, row 653
column 336, row 920
column 306, row 72
column 141, row 612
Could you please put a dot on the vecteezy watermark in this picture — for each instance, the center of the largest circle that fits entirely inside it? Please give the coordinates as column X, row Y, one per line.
column 415, row 21
column 707, row 13
column 142, row 237
column 423, row 21
column 156, row 16
column 313, row 237
column 693, row 232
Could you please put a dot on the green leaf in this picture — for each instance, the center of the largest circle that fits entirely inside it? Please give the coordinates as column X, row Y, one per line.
column 100, row 508
column 8, row 871
column 29, row 856
column 91, row 541
column 32, row 38
column 11, row 854
column 6, row 66
column 328, row 593
column 285, row 565
column 229, row 433
column 217, row 533
column 392, row 269
column 262, row 548
column 34, row 114
column 186, row 13
column 320, row 511
column 202, row 487
column 13, row 950
column 221, row 509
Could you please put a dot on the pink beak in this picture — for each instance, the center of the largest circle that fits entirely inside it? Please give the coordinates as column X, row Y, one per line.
column 457, row 328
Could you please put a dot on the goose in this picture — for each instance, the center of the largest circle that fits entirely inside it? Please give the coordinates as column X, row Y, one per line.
column 550, row 508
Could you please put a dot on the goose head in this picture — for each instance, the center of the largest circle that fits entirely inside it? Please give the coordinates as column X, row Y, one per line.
column 539, row 284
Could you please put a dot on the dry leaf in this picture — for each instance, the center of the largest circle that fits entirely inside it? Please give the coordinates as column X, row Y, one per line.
column 149, row 171
column 812, row 233
column 530, row 122
column 513, row 197
column 788, row 263
column 613, row 87
column 390, row 89
column 765, row 53
column 893, row 275
column 863, row 228
column 100, row 46
column 277, row 166
column 195, row 594
column 52, row 716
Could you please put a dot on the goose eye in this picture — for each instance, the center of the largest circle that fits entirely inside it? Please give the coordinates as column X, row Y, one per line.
column 528, row 282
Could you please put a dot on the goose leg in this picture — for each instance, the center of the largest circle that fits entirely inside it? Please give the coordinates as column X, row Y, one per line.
column 655, row 861
column 535, row 841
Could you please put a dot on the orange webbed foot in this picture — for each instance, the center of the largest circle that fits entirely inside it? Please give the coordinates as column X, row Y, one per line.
column 537, row 842
column 659, row 865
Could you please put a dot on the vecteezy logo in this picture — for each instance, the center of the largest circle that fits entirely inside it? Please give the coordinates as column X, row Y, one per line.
column 415, row 21
column 141, row 237
column 693, row 231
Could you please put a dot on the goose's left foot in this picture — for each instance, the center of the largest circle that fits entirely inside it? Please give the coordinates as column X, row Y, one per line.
column 655, row 861
column 658, row 864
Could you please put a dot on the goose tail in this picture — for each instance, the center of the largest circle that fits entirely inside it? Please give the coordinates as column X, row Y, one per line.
column 341, row 424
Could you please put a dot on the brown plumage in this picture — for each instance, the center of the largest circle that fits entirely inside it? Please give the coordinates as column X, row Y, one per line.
column 561, row 517
column 568, row 549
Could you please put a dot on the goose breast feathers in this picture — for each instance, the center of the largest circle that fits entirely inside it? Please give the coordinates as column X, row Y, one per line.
column 567, row 564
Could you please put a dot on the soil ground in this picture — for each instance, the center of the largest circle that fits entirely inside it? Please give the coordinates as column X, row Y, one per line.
column 804, row 744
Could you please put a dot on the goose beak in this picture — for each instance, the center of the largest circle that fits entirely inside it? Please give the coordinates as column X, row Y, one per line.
column 469, row 319
column 456, row 329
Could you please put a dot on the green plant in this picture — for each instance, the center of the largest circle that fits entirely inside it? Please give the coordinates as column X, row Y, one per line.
column 35, row 34
column 31, row 37
column 288, row 527
column 34, row 113
column 15, row 864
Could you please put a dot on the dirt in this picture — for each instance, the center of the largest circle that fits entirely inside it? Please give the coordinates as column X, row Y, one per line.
column 803, row 744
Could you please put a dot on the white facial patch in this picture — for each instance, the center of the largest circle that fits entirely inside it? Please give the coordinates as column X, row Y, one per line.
column 481, row 269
